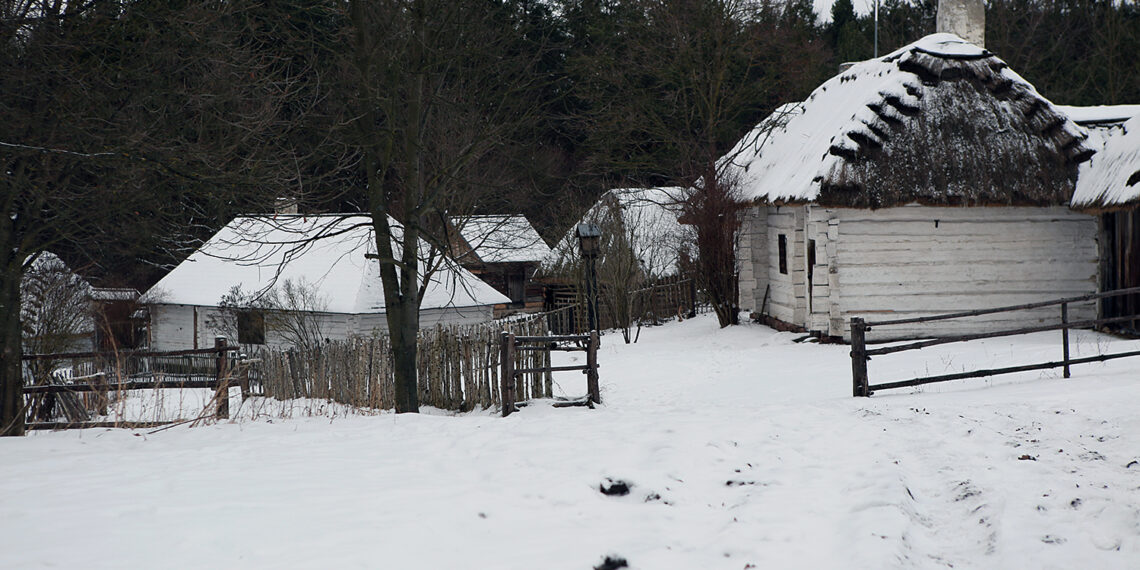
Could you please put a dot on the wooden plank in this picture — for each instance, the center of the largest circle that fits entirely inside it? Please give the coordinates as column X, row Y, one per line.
column 519, row 371
column 1047, row 303
column 93, row 425
column 126, row 385
column 999, row 371
column 993, row 334
column 123, row 354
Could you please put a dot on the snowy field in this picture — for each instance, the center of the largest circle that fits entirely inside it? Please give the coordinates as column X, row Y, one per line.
column 741, row 449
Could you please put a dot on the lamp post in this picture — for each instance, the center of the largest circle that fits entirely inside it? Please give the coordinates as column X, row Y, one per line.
column 589, row 242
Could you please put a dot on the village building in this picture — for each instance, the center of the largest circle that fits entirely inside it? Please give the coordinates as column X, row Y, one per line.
column 642, row 245
column 504, row 251
column 642, row 223
column 319, row 273
column 929, row 181
column 1109, row 186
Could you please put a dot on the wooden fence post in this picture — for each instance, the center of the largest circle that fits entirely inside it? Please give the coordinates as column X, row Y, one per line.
column 859, row 358
column 244, row 378
column 1065, row 336
column 102, row 393
column 223, row 389
column 592, row 372
column 507, row 376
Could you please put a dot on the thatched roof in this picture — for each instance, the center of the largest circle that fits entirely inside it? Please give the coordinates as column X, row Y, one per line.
column 939, row 122
column 1111, row 180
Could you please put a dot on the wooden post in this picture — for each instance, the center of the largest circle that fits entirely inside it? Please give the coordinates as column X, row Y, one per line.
column 507, row 374
column 592, row 372
column 244, row 379
column 859, row 358
column 102, row 394
column 1065, row 336
column 223, row 390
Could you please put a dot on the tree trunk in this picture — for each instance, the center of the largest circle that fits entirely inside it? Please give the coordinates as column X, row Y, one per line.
column 404, row 327
column 11, row 381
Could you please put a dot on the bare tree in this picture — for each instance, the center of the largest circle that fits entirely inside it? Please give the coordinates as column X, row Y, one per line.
column 127, row 125
column 291, row 313
column 693, row 76
column 440, row 90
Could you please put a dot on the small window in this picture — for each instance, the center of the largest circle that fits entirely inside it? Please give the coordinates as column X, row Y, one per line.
column 251, row 327
column 811, row 259
column 783, row 254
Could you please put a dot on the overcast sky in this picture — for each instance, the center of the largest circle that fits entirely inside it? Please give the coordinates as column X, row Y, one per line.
column 823, row 8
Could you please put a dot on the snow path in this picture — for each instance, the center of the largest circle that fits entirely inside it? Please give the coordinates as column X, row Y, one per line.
column 743, row 449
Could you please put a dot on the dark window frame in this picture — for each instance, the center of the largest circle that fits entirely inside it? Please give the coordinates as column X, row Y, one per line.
column 251, row 326
column 782, row 241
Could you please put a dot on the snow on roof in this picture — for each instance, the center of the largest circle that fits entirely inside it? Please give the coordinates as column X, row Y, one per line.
column 502, row 238
column 648, row 219
column 1111, row 179
column 327, row 252
column 114, row 294
column 938, row 121
column 1100, row 113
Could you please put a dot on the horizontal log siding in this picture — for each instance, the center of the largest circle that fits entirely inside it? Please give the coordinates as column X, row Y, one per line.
column 786, row 301
column 172, row 326
column 752, row 259
column 895, row 263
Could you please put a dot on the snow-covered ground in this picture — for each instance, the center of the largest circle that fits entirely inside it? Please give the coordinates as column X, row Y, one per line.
column 742, row 449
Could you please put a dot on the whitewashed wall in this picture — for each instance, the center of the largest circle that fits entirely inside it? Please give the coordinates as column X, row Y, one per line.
column 173, row 327
column 915, row 260
column 786, row 299
column 752, row 259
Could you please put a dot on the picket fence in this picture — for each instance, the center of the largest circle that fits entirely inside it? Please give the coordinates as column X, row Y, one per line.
column 458, row 368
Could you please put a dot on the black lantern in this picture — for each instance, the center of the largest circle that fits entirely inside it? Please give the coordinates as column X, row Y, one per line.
column 589, row 239
column 590, row 244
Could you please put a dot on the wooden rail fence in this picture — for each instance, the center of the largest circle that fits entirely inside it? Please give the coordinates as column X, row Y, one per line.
column 458, row 368
column 107, row 372
column 511, row 346
column 860, row 354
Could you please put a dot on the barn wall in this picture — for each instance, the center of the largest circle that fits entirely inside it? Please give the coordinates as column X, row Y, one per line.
column 377, row 323
column 787, row 298
column 171, row 327
column 752, row 259
column 918, row 261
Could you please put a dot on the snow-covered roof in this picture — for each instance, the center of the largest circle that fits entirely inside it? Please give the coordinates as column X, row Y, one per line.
column 648, row 219
column 256, row 253
column 502, row 238
column 1100, row 113
column 1111, row 179
column 938, row 121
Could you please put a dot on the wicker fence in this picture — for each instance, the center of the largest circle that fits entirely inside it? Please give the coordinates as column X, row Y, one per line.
column 458, row 368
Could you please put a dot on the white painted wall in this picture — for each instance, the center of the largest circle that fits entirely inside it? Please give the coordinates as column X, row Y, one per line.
column 173, row 326
column 752, row 259
column 915, row 260
column 786, row 300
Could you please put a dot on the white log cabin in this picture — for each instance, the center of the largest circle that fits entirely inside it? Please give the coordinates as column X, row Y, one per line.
column 929, row 181
column 331, row 258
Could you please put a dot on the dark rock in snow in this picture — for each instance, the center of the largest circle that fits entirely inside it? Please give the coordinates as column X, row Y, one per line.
column 612, row 563
column 613, row 488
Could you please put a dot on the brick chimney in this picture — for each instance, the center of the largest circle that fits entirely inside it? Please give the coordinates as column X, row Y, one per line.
column 963, row 18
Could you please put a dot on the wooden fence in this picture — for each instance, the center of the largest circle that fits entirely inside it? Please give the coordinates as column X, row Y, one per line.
column 63, row 390
column 860, row 354
column 511, row 346
column 458, row 368
column 659, row 301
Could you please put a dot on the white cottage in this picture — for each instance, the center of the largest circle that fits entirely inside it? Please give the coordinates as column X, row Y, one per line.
column 928, row 181
column 329, row 259
column 504, row 251
column 1109, row 185
column 643, row 221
